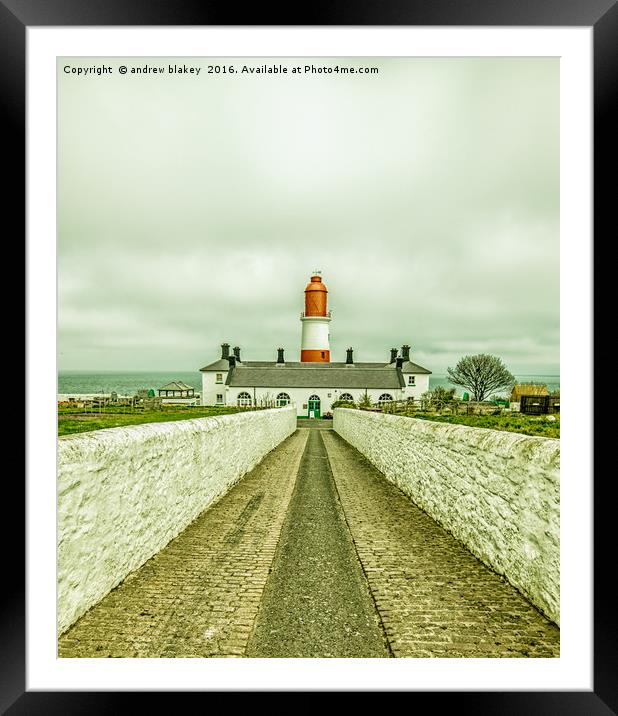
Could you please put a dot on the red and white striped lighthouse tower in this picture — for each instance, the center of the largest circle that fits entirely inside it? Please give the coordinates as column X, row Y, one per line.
column 314, row 342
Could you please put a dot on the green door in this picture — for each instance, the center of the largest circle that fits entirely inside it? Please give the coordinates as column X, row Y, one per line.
column 313, row 406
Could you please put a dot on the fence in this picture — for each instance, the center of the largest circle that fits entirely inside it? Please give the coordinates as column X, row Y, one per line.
column 107, row 404
column 446, row 407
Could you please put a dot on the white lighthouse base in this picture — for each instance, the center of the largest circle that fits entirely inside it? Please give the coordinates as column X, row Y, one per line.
column 314, row 343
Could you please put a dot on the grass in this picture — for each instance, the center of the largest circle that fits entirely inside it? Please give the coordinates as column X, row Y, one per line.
column 71, row 420
column 537, row 425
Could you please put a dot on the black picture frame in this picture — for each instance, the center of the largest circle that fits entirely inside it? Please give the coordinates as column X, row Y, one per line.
column 601, row 15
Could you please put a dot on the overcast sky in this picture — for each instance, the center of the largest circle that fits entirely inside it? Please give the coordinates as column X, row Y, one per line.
column 193, row 209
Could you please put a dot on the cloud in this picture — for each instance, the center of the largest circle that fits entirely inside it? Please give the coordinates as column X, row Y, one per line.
column 191, row 213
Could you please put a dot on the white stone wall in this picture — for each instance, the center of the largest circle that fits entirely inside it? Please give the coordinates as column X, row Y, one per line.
column 181, row 401
column 124, row 493
column 497, row 492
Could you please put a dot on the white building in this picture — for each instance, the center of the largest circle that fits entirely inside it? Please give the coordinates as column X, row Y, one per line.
column 314, row 383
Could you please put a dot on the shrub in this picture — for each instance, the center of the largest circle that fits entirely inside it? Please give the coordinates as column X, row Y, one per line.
column 343, row 404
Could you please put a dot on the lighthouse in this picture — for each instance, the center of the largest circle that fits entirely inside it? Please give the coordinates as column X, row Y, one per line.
column 314, row 343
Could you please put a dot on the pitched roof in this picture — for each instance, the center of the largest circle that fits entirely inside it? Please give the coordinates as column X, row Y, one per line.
column 520, row 389
column 316, row 375
column 409, row 367
column 176, row 385
column 221, row 364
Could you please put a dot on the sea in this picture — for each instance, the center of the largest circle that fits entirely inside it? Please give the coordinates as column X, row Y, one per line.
column 122, row 383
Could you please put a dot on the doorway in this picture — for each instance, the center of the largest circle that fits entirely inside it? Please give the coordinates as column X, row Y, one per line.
column 313, row 407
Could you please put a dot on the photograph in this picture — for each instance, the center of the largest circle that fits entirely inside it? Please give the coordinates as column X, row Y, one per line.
column 301, row 302
column 308, row 357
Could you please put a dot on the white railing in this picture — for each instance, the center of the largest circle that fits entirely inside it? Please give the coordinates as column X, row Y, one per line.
column 329, row 314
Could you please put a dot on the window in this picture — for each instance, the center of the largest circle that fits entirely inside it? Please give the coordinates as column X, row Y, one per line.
column 323, row 354
column 347, row 397
column 283, row 399
column 411, row 380
column 385, row 398
column 244, row 399
column 220, row 398
column 219, row 378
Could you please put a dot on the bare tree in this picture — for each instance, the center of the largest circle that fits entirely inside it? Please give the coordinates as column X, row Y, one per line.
column 442, row 397
column 481, row 374
column 425, row 400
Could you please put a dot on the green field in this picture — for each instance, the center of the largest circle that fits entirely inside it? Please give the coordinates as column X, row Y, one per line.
column 72, row 420
column 511, row 422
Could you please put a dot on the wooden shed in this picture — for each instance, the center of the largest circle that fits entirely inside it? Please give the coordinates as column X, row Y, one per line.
column 520, row 389
column 539, row 404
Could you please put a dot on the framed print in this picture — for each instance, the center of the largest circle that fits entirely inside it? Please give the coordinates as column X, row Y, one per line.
column 127, row 277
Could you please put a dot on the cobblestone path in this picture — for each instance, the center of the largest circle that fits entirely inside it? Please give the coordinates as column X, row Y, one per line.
column 199, row 596
column 337, row 563
column 316, row 602
column 434, row 597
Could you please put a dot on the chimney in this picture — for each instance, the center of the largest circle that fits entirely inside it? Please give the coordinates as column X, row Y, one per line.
column 225, row 350
column 232, row 361
column 349, row 360
column 393, row 355
column 280, row 358
column 237, row 353
column 405, row 352
column 399, row 363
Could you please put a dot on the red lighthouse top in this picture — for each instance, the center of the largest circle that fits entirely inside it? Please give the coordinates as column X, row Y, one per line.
column 315, row 296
